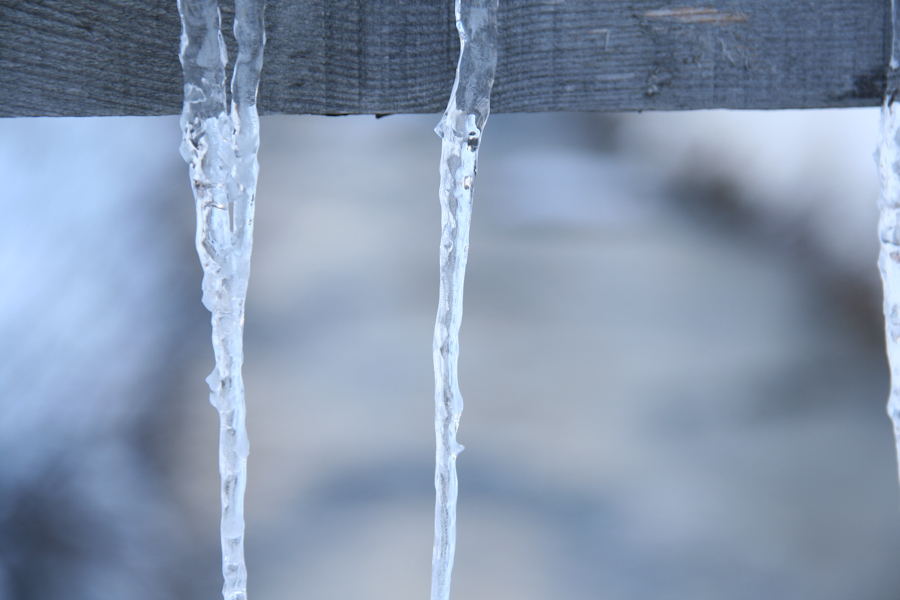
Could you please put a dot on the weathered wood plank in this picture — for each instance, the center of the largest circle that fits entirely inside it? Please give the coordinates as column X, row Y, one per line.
column 119, row 57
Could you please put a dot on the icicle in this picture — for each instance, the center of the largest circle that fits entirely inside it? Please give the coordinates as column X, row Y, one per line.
column 221, row 151
column 460, row 128
column 889, row 222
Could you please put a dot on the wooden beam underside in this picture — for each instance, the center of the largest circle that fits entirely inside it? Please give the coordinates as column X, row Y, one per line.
column 119, row 57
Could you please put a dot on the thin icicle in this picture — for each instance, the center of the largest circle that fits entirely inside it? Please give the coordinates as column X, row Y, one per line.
column 460, row 128
column 221, row 151
column 889, row 222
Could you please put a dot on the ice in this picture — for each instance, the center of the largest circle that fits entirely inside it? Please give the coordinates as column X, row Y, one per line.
column 461, row 129
column 888, row 157
column 221, row 151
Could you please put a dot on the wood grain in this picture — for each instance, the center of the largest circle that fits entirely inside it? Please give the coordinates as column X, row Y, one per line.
column 119, row 57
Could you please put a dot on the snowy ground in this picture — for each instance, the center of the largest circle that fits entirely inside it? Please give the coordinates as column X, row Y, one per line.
column 673, row 377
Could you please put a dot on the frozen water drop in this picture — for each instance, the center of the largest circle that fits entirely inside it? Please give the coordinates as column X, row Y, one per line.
column 220, row 148
column 888, row 158
column 460, row 130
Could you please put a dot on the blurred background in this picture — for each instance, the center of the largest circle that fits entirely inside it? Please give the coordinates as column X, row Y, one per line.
column 672, row 362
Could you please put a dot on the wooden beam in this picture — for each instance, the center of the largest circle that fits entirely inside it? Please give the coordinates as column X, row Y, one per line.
column 119, row 57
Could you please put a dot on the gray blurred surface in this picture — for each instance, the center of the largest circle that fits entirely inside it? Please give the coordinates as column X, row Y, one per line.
column 667, row 395
column 95, row 298
column 655, row 408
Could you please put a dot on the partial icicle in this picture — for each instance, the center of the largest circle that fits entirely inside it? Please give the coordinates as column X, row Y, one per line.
column 221, row 151
column 460, row 128
column 889, row 222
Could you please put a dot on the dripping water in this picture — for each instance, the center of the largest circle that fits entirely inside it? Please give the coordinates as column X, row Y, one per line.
column 220, row 149
column 460, row 129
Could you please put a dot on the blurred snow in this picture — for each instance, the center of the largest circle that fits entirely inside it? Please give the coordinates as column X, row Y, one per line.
column 90, row 307
column 656, row 407
column 813, row 170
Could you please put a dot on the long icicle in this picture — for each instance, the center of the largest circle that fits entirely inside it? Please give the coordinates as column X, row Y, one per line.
column 221, row 151
column 460, row 129
column 889, row 221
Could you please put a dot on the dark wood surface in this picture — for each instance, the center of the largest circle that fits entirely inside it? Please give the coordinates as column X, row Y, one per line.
column 119, row 57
